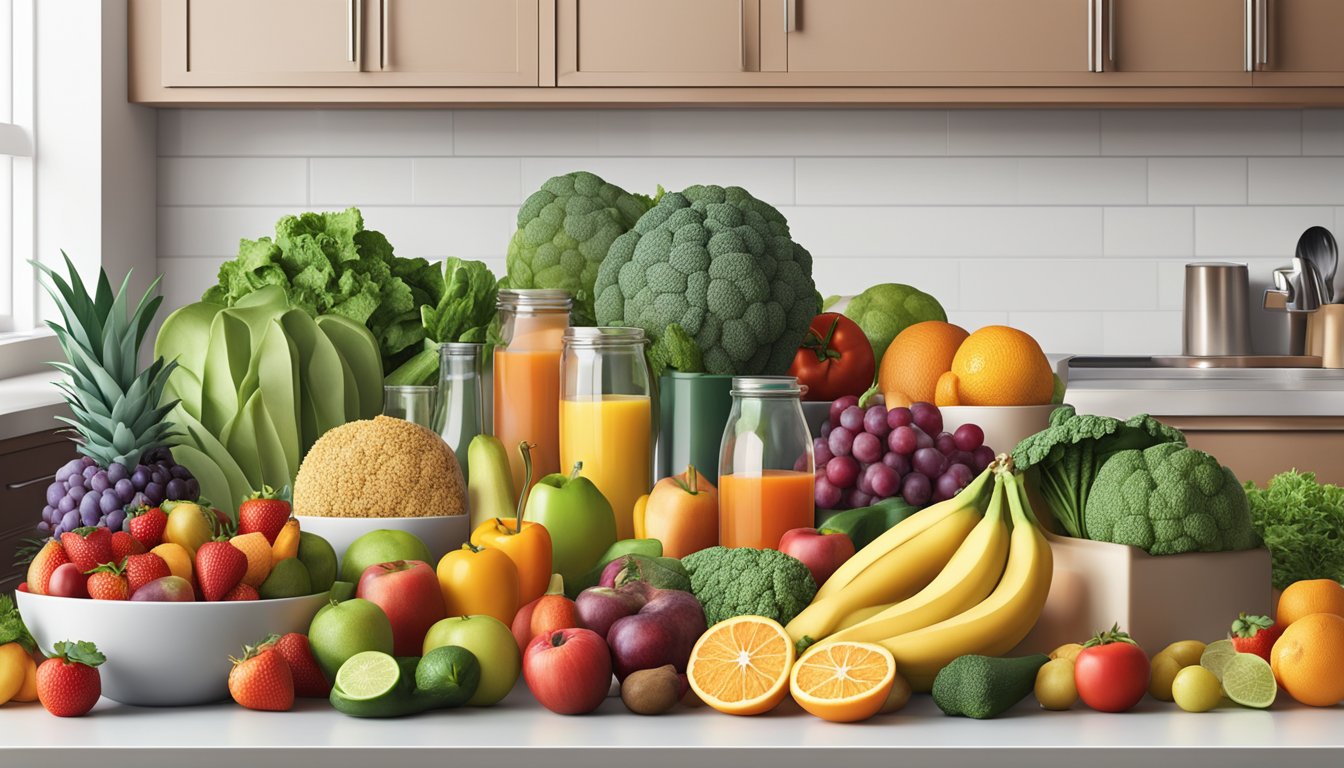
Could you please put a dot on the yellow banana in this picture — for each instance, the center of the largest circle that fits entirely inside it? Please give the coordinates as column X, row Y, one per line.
column 897, row 575
column 863, row 614
column 995, row 625
column 970, row 576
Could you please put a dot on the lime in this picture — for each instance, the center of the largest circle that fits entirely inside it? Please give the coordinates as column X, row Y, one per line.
column 1216, row 656
column 449, row 674
column 319, row 558
column 289, row 578
column 367, row 675
column 1249, row 681
column 1196, row 689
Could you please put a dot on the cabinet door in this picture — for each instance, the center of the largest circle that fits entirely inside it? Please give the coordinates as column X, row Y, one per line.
column 27, row 465
column 656, row 43
column 1298, row 42
column 918, row 42
column 457, row 42
column 262, row 42
column 1191, row 42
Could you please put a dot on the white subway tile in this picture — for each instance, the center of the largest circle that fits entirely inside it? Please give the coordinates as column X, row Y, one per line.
column 466, row 181
column 1022, row 132
column 906, row 181
column 1074, row 180
column 849, row 276
column 768, row 178
column 1197, row 181
column 233, row 181
column 1171, row 284
column 185, row 279
column 306, row 132
column 513, row 132
column 1150, row 231
column 819, row 132
column 429, row 232
column 360, row 181
column 1323, row 132
column 1073, row 285
column 206, row 231
column 1141, row 333
column 974, row 320
column 940, row 231
column 1296, row 180
column 1201, row 132
column 1254, row 231
column 1061, row 332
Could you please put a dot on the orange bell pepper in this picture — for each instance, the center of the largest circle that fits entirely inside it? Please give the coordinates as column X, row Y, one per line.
column 529, row 547
column 477, row 581
column 683, row 513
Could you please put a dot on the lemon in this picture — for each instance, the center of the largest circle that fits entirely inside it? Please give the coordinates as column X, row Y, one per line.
column 1249, row 681
column 367, row 675
column 1216, row 656
column 1195, row 689
column 1164, row 669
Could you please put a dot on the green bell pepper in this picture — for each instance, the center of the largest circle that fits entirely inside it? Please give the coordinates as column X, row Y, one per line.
column 864, row 524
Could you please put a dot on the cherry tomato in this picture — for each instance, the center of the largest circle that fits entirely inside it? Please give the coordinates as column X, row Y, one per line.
column 835, row 358
column 1111, row 672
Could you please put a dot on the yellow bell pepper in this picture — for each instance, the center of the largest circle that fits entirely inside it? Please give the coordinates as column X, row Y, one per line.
column 641, row 507
column 529, row 548
column 476, row 581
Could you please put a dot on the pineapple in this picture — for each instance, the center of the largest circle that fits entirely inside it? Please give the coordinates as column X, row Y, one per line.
column 118, row 409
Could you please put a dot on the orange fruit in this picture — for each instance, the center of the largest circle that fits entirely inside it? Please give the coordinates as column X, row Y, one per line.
column 29, row 690
column 177, row 558
column 947, row 391
column 915, row 359
column 843, row 682
column 1303, row 598
column 258, row 551
column 741, row 666
column 1308, row 659
column 998, row 365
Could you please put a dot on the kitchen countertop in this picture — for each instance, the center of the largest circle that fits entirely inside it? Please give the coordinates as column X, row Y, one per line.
column 1125, row 391
column 519, row 731
column 30, row 404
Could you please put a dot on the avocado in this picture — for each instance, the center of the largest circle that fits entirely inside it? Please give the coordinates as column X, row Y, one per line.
column 983, row 686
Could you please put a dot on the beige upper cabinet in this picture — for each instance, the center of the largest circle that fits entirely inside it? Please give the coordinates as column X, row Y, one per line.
column 656, row 43
column 331, row 43
column 1187, row 42
column 1298, row 43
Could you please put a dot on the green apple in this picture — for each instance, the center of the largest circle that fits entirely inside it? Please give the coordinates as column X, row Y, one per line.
column 319, row 558
column 381, row 546
column 340, row 630
column 495, row 647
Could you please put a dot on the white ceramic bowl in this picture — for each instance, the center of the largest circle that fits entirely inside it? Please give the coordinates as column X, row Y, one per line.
column 1004, row 425
column 441, row 534
column 165, row 654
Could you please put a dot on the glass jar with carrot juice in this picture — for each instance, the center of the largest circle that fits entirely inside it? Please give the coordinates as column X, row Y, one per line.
column 765, row 464
column 527, row 377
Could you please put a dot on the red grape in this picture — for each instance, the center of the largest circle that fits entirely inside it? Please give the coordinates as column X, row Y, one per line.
column 899, row 417
column 865, row 483
column 927, row 417
column 867, row 448
column 945, row 444
column 884, row 480
column 948, row 485
column 962, row 473
column 842, row 471
column 856, row 498
column 839, row 404
column 983, row 456
column 929, row 461
column 969, row 437
column 900, row 464
column 903, row 440
column 841, row 441
column 922, row 439
column 827, row 495
column 875, row 420
column 916, row 489
column 821, row 450
column 800, row 463
column 826, row 429
column 962, row 457
column 852, row 418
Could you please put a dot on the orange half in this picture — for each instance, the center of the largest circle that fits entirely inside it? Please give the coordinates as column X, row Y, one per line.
column 843, row 682
column 741, row 666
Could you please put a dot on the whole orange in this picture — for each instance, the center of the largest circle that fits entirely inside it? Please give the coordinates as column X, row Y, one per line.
column 915, row 359
column 1308, row 660
column 998, row 365
column 1303, row 598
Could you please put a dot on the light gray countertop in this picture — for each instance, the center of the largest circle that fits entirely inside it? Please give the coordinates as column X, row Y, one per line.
column 519, row 732
column 30, row 404
column 1123, row 392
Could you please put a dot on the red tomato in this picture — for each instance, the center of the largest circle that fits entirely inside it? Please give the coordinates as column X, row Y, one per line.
column 835, row 358
column 1111, row 672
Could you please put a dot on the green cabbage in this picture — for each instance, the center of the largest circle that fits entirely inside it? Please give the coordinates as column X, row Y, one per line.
column 884, row 310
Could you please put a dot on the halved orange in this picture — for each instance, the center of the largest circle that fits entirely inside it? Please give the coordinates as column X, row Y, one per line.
column 741, row 666
column 843, row 682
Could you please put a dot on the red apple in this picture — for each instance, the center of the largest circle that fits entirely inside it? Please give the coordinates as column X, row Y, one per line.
column 568, row 670
column 822, row 553
column 166, row 589
column 408, row 592
column 68, row 581
column 663, row 631
column 545, row 614
column 600, row 607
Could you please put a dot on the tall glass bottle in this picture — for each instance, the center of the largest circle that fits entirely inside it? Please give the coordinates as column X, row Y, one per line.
column 457, row 415
column 527, row 377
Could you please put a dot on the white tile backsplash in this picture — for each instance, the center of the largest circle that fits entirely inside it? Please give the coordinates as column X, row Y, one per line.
column 1074, row 225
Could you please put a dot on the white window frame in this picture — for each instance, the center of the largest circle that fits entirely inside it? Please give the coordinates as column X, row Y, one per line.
column 16, row 142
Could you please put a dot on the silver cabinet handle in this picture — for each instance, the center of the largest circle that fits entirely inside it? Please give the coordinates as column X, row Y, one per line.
column 1250, row 36
column 351, row 29
column 1110, row 32
column 1094, row 14
column 27, row 483
column 385, row 55
column 741, row 31
column 1262, row 28
column 790, row 16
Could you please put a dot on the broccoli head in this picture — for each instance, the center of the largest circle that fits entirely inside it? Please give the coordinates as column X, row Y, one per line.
column 564, row 231
column 1169, row 499
column 749, row 582
column 721, row 265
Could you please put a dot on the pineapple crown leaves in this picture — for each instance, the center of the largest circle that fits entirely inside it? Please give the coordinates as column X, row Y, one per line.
column 77, row 653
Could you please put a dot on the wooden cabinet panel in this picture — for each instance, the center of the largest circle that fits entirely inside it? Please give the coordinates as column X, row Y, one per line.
column 1192, row 42
column 458, row 42
column 655, row 43
column 26, row 466
column 1298, row 43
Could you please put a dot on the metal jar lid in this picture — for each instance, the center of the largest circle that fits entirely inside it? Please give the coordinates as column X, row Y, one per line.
column 604, row 336
column 534, row 299
column 767, row 386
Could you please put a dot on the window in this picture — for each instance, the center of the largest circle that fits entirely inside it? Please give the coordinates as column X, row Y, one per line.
column 17, row 289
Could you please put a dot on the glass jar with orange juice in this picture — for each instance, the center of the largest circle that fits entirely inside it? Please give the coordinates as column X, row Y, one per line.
column 527, row 377
column 765, row 464
column 607, row 407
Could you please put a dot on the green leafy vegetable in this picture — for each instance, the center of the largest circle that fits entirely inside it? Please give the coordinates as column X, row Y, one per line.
column 463, row 313
column 12, row 628
column 676, row 351
column 743, row 581
column 1302, row 523
column 884, row 310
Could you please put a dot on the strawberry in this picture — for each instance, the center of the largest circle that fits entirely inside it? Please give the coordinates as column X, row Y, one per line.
column 144, row 568
column 147, row 525
column 108, row 582
column 220, row 566
column 50, row 557
column 68, row 683
column 1255, row 634
column 309, row 682
column 265, row 511
column 243, row 591
column 261, row 680
column 124, row 545
column 88, row 547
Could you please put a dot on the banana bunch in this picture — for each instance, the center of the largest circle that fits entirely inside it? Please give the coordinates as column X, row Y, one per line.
column 966, row 575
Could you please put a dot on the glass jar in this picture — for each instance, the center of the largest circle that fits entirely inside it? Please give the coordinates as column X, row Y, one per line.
column 458, row 417
column 765, row 464
column 527, row 377
column 411, row 402
column 607, row 407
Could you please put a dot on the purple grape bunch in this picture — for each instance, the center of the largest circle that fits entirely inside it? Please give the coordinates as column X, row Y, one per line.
column 85, row 494
column 868, row 454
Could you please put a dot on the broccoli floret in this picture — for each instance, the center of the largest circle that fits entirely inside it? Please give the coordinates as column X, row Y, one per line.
column 1066, row 457
column 749, row 582
column 1169, row 499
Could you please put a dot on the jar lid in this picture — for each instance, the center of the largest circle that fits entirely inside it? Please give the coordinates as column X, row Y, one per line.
column 767, row 386
column 461, row 348
column 534, row 299
column 604, row 336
